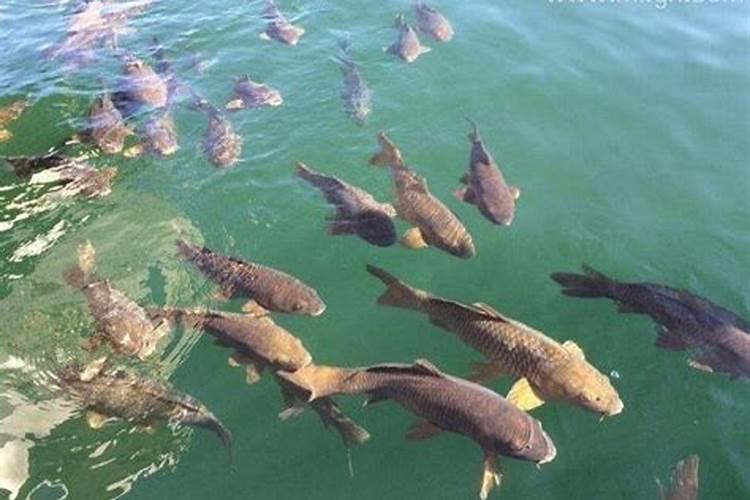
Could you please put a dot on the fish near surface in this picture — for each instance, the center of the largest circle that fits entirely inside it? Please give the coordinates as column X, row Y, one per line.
column 106, row 127
column 434, row 223
column 266, row 288
column 357, row 212
column 407, row 46
column 143, row 86
column 119, row 320
column 8, row 114
column 112, row 393
column 259, row 343
column 719, row 337
column 356, row 94
column 251, row 94
column 685, row 482
column 432, row 21
column 485, row 185
column 443, row 403
column 220, row 141
column 545, row 368
column 279, row 28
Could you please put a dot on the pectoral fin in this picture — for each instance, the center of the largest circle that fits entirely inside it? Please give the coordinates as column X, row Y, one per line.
column 465, row 194
column 464, row 179
column 5, row 134
column 373, row 400
column 484, row 372
column 235, row 104
column 670, row 340
column 422, row 429
column 491, row 475
column 134, row 151
column 264, row 36
column 574, row 349
column 523, row 395
column 254, row 309
column 338, row 227
column 253, row 367
column 515, row 192
column 222, row 294
column 424, row 50
column 291, row 412
column 413, row 239
column 95, row 420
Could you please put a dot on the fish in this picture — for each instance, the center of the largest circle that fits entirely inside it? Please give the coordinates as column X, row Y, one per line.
column 278, row 27
column 158, row 137
column 116, row 393
column 442, row 403
column 251, row 94
column 259, row 343
column 106, row 128
column 26, row 166
column 141, row 85
column 432, row 21
column 357, row 211
column 719, row 338
column 268, row 289
column 544, row 368
column 407, row 46
column 356, row 94
column 10, row 113
column 119, row 320
column 433, row 223
column 220, row 141
column 485, row 185
column 684, row 481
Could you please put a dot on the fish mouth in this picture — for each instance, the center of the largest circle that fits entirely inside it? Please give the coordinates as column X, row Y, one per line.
column 274, row 101
column 614, row 411
column 551, row 454
column 319, row 311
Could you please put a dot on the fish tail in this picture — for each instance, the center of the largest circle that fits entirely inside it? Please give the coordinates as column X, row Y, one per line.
column 399, row 20
column 590, row 284
column 332, row 415
column 474, row 134
column 214, row 424
column 81, row 275
column 398, row 293
column 318, row 381
column 306, row 172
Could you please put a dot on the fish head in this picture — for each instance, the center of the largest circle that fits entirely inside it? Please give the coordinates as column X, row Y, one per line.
column 131, row 64
column 499, row 210
column 283, row 31
column 161, row 135
column 583, row 385
column 304, row 300
column 463, row 247
column 534, row 445
column 376, row 228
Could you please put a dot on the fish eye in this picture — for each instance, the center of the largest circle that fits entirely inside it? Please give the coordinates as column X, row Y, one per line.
column 297, row 306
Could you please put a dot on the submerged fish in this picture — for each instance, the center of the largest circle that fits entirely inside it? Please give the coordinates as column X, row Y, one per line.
column 250, row 94
column 220, row 142
column 357, row 212
column 684, row 481
column 8, row 114
column 106, row 128
column 443, row 403
column 25, row 166
column 111, row 393
column 356, row 94
column 485, row 185
column 720, row 338
column 158, row 137
column 141, row 85
column 278, row 27
column 407, row 47
column 119, row 320
column 268, row 289
column 430, row 20
column 545, row 368
column 434, row 224
column 259, row 343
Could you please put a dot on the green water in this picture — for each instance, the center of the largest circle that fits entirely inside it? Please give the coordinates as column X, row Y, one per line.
column 625, row 126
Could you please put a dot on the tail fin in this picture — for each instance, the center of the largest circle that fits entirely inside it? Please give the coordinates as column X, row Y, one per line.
column 590, row 284
column 399, row 21
column 82, row 274
column 398, row 293
column 305, row 172
column 685, row 481
column 317, row 381
column 214, row 424
column 474, row 134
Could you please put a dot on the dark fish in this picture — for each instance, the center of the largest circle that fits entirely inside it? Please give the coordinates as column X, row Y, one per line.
column 719, row 337
column 119, row 320
column 443, row 403
column 266, row 288
column 110, row 393
column 25, row 166
column 158, row 137
column 684, row 481
column 407, row 47
column 545, row 369
column 220, row 142
column 106, row 128
column 141, row 85
column 278, row 27
column 250, row 94
column 357, row 212
column 430, row 20
column 356, row 94
column 434, row 224
column 485, row 185
column 10, row 113
column 259, row 343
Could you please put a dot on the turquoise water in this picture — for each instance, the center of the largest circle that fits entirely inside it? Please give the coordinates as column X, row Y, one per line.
column 625, row 126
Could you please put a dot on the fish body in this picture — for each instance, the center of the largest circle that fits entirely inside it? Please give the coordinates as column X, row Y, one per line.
column 10, row 113
column 357, row 211
column 279, row 28
column 685, row 481
column 267, row 288
column 545, row 368
column 485, row 185
column 25, row 166
column 434, row 223
column 106, row 127
column 356, row 94
column 143, row 86
column 160, row 135
column 407, row 46
column 433, row 22
column 720, row 338
column 251, row 94
column 221, row 143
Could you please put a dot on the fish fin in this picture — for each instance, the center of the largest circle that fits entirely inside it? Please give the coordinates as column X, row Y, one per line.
column 427, row 367
column 254, row 372
column 94, row 342
column 95, row 420
column 237, row 359
column 413, row 239
column 515, row 192
column 222, row 294
column 484, row 372
column 574, row 349
column 524, row 396
column 588, row 285
column 291, row 412
column 702, row 363
column 422, row 429
column 380, row 159
column 5, row 134
column 491, row 475
column 420, row 367
column 488, row 309
column 235, row 104
column 464, row 179
column 465, row 193
column 378, row 398
column 424, row 50
column 134, row 151
column 398, row 293
column 264, row 36
column 254, row 309
column 670, row 340
column 338, row 227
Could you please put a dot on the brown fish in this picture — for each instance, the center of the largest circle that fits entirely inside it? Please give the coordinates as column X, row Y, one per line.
column 434, row 223
column 279, row 28
column 220, row 141
column 684, row 481
column 443, row 403
column 250, row 94
column 10, row 113
column 719, row 337
column 258, row 343
column 113, row 393
column 76, row 175
column 158, row 137
column 119, row 320
column 407, row 46
column 143, row 86
column 545, row 368
column 106, row 128
column 268, row 289
column 356, row 94
column 432, row 21
column 357, row 212
column 485, row 185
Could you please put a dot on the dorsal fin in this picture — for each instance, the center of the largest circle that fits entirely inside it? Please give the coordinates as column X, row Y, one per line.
column 491, row 311
column 420, row 367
